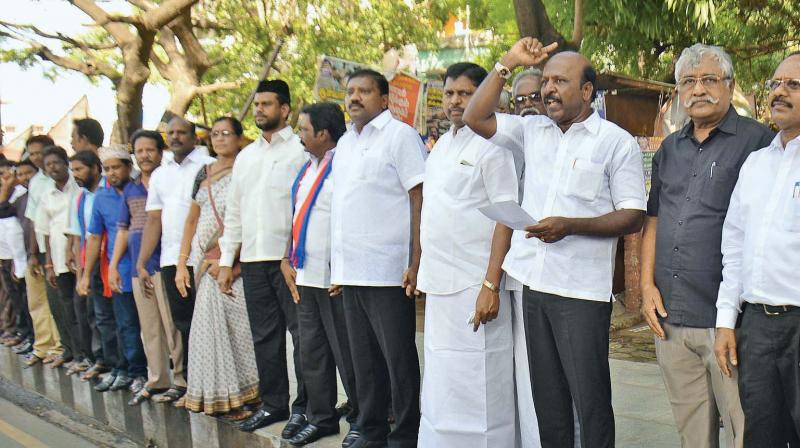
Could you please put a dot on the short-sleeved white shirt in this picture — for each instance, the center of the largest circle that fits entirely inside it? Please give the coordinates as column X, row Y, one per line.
column 591, row 170
column 463, row 173
column 371, row 214
column 170, row 191
column 52, row 220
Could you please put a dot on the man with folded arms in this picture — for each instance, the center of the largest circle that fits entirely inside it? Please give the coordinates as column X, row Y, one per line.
column 760, row 258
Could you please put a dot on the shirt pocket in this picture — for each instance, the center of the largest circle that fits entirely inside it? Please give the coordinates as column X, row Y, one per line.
column 718, row 188
column 585, row 179
column 793, row 215
column 458, row 182
column 280, row 176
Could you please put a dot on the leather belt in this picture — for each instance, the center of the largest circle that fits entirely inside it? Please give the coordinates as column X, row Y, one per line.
column 775, row 310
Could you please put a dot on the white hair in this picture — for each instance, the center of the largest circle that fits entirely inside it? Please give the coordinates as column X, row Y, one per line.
column 691, row 57
column 530, row 72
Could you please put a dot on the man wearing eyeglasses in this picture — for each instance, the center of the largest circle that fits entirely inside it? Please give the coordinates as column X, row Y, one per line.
column 526, row 93
column 761, row 253
column 693, row 175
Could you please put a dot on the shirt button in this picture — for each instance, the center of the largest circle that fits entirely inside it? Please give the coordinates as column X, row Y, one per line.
column 674, row 275
column 675, row 249
column 687, row 198
column 680, row 223
column 694, row 174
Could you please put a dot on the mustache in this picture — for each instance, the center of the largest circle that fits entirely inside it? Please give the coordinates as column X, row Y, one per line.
column 552, row 97
column 781, row 100
column 355, row 103
column 530, row 111
column 702, row 99
column 456, row 109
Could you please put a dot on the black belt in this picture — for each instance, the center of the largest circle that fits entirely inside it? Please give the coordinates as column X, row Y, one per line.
column 773, row 310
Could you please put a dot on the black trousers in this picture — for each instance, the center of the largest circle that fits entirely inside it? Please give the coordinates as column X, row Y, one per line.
column 83, row 337
column 19, row 298
column 271, row 312
column 567, row 341
column 381, row 323
column 323, row 348
column 95, row 293
column 181, row 308
column 769, row 377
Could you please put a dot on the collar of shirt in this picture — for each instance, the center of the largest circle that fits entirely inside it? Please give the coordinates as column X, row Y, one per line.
column 378, row 122
column 777, row 142
column 281, row 136
column 728, row 125
column 316, row 161
column 197, row 154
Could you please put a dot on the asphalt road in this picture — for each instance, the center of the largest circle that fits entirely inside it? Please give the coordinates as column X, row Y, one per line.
column 19, row 428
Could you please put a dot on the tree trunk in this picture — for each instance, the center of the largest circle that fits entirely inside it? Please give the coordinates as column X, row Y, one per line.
column 533, row 21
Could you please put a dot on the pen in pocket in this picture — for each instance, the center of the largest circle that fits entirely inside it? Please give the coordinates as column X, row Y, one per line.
column 713, row 164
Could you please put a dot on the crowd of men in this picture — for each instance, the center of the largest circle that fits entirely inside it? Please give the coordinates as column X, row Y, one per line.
column 179, row 275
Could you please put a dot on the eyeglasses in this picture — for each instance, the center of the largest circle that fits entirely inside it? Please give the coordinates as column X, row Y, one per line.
column 792, row 85
column 708, row 81
column 224, row 133
column 535, row 96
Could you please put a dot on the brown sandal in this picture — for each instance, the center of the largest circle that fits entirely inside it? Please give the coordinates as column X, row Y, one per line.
column 174, row 393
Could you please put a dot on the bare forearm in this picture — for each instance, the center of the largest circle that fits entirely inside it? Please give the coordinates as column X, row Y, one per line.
column 120, row 246
column 150, row 237
column 189, row 228
column 480, row 112
column 648, row 251
column 47, row 258
column 501, row 242
column 614, row 224
column 415, row 196
column 92, row 251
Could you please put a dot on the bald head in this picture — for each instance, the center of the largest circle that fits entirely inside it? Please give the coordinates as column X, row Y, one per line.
column 568, row 88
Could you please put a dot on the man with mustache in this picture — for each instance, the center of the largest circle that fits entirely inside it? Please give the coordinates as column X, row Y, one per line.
column 694, row 172
column 258, row 222
column 585, row 185
column 375, row 250
column 465, row 172
column 526, row 93
column 168, row 199
column 760, row 255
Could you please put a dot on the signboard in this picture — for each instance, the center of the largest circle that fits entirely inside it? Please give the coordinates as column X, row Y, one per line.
column 436, row 123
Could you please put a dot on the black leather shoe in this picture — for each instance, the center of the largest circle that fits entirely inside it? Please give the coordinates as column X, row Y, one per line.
column 296, row 424
column 261, row 419
column 352, row 437
column 311, row 433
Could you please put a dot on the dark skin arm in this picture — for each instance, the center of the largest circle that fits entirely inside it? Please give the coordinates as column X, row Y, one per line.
column 290, row 274
column 120, row 247
column 652, row 302
column 50, row 272
column 488, row 303
column 614, row 224
column 182, row 278
column 93, row 244
column 150, row 237
column 410, row 275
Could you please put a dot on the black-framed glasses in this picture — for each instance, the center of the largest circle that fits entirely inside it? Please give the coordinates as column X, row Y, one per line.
column 708, row 81
column 792, row 85
column 535, row 96
column 223, row 133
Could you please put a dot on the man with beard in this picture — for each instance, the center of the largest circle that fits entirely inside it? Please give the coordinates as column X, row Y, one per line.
column 52, row 219
column 159, row 335
column 586, row 188
column 694, row 173
column 761, row 253
column 131, row 370
column 86, row 168
column 47, row 342
column 168, row 199
column 526, row 93
column 306, row 269
column 258, row 222
column 375, row 255
column 463, row 173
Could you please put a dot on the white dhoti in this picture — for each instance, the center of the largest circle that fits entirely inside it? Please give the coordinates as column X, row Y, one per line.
column 468, row 382
column 527, row 424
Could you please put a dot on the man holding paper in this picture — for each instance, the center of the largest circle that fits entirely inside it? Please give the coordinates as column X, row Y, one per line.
column 469, row 377
column 584, row 180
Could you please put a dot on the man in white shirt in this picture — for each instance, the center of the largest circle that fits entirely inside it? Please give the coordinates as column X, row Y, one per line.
column 306, row 268
column 375, row 250
column 52, row 222
column 584, row 182
column 463, row 173
column 168, row 200
column 760, row 257
column 258, row 220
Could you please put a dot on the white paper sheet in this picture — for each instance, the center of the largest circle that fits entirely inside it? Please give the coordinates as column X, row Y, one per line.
column 508, row 213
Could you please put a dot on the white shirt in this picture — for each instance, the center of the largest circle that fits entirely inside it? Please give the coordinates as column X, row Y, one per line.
column 761, row 234
column 316, row 270
column 12, row 237
column 36, row 187
column 371, row 211
column 462, row 173
column 52, row 220
column 258, row 217
column 170, row 191
column 591, row 170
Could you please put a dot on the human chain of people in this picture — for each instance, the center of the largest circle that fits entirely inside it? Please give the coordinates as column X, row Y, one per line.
column 178, row 271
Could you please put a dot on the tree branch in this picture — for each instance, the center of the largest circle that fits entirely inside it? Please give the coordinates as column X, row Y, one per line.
column 118, row 31
column 217, row 86
column 58, row 36
column 577, row 27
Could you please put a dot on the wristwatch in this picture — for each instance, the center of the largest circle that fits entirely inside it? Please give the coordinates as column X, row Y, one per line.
column 490, row 286
column 502, row 70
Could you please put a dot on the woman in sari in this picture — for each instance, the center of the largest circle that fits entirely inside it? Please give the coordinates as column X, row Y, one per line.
column 224, row 379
